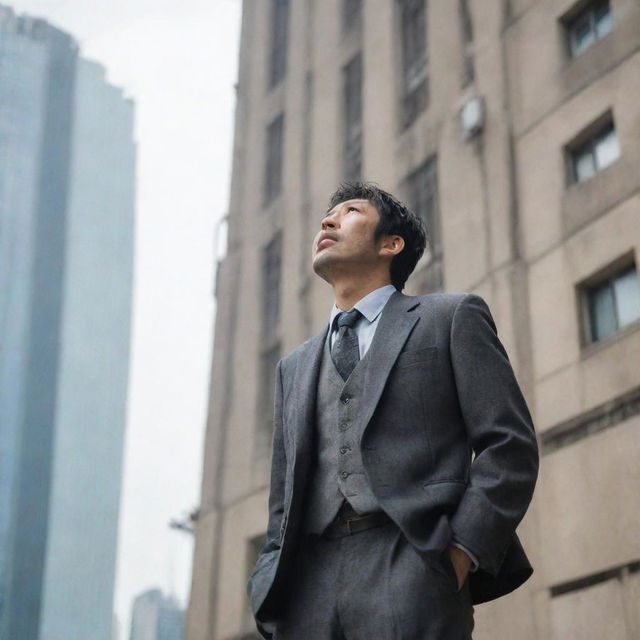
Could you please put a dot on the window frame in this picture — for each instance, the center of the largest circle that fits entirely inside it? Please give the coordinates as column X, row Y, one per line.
column 270, row 339
column 427, row 171
column 278, row 42
column 352, row 126
column 465, row 23
column 413, row 73
column 351, row 15
column 581, row 12
column 586, row 290
column 273, row 159
column 272, row 288
column 586, row 143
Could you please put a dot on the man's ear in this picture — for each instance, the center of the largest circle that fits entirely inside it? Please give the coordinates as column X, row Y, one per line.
column 391, row 246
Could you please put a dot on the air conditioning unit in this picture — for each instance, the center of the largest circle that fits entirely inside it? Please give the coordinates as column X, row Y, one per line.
column 473, row 116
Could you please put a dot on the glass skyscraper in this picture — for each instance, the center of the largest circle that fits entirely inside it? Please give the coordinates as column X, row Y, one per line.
column 67, row 172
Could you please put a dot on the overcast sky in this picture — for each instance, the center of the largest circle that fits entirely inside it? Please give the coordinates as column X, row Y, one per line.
column 178, row 61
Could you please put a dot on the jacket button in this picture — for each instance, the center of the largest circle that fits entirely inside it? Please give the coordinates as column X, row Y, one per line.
column 344, row 449
column 344, row 475
column 345, row 399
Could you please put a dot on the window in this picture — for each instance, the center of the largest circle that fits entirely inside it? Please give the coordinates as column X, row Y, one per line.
column 273, row 164
column 466, row 35
column 351, row 14
column 593, row 152
column 352, row 139
column 413, row 25
column 422, row 190
column 271, row 278
column 271, row 289
column 612, row 303
column 590, row 24
column 279, row 35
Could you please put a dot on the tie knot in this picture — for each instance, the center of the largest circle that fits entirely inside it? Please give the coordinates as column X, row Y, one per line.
column 348, row 318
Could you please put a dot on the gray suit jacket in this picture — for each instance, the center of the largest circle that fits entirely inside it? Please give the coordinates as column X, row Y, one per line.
column 439, row 386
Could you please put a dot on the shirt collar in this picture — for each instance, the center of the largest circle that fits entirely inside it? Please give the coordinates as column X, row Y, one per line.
column 371, row 305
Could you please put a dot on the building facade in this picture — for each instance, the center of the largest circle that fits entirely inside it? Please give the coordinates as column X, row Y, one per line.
column 156, row 617
column 67, row 211
column 512, row 127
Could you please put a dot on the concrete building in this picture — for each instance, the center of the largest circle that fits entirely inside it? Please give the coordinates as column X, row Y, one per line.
column 66, row 259
column 514, row 129
column 156, row 617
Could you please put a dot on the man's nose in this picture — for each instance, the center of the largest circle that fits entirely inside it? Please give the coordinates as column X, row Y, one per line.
column 329, row 222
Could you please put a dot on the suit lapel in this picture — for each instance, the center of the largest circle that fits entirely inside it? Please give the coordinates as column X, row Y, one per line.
column 306, row 385
column 392, row 332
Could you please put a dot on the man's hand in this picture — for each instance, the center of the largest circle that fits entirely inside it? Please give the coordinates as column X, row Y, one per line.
column 461, row 563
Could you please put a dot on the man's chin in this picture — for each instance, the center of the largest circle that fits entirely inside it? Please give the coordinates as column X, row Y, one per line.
column 322, row 265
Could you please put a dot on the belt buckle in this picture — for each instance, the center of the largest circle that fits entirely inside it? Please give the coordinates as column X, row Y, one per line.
column 348, row 523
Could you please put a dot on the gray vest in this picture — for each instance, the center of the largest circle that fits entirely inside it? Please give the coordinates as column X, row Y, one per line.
column 339, row 473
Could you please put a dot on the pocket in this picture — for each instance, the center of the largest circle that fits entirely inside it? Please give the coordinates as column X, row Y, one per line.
column 414, row 356
column 450, row 570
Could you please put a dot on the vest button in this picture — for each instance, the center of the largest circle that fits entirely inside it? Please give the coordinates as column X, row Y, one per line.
column 345, row 399
column 344, row 449
column 344, row 475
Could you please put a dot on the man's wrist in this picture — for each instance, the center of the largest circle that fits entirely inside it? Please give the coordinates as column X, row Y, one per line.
column 461, row 564
column 474, row 561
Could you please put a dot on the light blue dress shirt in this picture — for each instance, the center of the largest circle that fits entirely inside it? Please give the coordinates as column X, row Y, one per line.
column 371, row 307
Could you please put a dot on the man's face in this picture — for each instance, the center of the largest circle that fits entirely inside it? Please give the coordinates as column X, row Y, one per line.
column 345, row 241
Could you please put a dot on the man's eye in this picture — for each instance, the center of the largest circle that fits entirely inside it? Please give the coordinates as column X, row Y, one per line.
column 352, row 207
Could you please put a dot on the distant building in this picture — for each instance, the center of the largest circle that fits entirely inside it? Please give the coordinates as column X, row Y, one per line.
column 513, row 128
column 67, row 175
column 156, row 617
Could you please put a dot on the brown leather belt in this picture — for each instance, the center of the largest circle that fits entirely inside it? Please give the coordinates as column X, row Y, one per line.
column 348, row 522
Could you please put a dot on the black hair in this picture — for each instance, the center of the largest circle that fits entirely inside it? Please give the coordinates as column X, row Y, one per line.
column 395, row 219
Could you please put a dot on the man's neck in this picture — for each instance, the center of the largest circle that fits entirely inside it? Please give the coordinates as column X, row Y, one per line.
column 347, row 294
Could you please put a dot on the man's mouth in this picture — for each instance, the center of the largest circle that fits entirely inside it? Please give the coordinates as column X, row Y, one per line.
column 324, row 243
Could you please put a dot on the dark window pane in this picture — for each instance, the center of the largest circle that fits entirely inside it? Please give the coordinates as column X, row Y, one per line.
column 602, row 312
column 627, row 295
column 583, row 34
column 422, row 189
column 466, row 36
column 272, row 275
column 413, row 20
column 596, row 153
column 279, row 37
column 594, row 22
column 466, row 26
column 352, row 79
column 351, row 13
column 607, row 149
column 584, row 164
column 603, row 20
column 273, row 164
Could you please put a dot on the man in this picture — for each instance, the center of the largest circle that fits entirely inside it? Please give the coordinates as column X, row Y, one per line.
column 404, row 455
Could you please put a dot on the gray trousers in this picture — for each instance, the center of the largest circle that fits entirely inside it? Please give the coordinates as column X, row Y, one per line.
column 373, row 585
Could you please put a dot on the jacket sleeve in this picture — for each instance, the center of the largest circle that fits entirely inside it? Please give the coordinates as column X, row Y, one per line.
column 271, row 550
column 500, row 430
column 278, row 472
